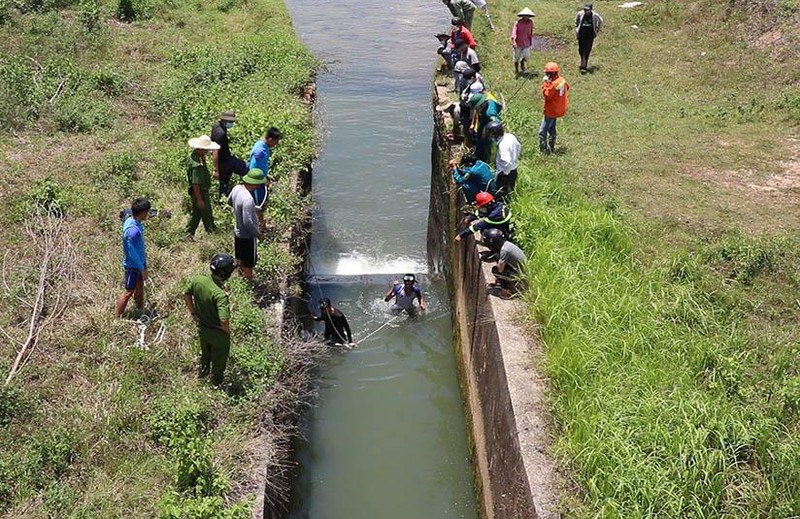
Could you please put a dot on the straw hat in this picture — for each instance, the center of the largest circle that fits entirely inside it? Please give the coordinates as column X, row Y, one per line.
column 526, row 12
column 255, row 176
column 203, row 142
column 445, row 107
column 228, row 115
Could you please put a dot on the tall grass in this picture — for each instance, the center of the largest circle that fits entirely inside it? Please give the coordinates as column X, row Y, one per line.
column 669, row 324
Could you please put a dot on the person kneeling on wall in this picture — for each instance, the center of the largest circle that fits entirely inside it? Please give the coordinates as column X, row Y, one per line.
column 510, row 262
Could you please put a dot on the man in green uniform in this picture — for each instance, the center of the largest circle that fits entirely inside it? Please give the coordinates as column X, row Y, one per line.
column 207, row 302
column 199, row 180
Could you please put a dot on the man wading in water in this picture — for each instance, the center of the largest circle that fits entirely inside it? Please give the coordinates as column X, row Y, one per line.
column 337, row 329
column 404, row 296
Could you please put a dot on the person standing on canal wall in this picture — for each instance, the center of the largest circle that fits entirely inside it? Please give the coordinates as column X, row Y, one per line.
column 463, row 9
column 134, row 260
column 200, row 184
column 587, row 26
column 404, row 295
column 506, row 159
column 556, row 96
column 485, row 109
column 522, row 40
column 208, row 304
column 225, row 164
column 337, row 329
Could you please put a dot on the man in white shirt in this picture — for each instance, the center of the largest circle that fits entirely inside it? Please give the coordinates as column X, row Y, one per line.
column 507, row 157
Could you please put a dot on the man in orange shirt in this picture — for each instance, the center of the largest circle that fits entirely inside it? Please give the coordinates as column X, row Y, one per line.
column 555, row 91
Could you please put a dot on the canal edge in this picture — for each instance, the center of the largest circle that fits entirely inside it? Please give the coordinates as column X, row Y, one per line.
column 498, row 359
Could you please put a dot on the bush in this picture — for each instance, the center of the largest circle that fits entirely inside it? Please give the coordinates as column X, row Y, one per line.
column 82, row 113
column 122, row 168
column 11, row 404
column 132, row 10
column 89, row 14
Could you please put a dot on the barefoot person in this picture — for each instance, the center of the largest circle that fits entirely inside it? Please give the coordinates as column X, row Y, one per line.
column 522, row 40
column 135, row 255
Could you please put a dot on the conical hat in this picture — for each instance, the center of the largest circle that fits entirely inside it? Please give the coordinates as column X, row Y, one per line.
column 526, row 12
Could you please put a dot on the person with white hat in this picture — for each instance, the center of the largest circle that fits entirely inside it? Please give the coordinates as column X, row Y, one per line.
column 522, row 40
column 199, row 180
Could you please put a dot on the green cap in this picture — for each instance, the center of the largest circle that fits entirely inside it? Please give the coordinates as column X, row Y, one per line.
column 255, row 176
column 476, row 99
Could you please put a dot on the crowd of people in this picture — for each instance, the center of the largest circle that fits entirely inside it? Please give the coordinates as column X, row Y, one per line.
column 477, row 118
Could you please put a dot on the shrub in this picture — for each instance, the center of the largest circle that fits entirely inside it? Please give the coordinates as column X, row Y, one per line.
column 5, row 12
column 132, row 10
column 122, row 168
column 11, row 404
column 89, row 14
column 107, row 81
column 82, row 113
column 47, row 195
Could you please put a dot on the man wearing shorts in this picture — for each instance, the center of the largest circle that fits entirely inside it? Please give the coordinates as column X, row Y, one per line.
column 134, row 255
column 247, row 230
column 522, row 40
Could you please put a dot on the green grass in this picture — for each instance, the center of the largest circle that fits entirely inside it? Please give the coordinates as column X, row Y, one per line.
column 97, row 112
column 664, row 272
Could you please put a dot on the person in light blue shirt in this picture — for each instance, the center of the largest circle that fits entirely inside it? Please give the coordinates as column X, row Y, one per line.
column 134, row 259
column 262, row 149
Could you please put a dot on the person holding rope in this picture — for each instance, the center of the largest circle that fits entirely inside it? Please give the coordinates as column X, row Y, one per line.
column 337, row 329
column 472, row 176
column 404, row 295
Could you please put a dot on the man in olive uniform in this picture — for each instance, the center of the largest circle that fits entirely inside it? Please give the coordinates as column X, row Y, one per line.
column 207, row 302
column 199, row 179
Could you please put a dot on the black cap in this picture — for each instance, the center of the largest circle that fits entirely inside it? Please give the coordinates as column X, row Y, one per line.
column 324, row 302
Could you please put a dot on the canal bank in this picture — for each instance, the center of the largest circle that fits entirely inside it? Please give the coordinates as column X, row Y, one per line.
column 497, row 355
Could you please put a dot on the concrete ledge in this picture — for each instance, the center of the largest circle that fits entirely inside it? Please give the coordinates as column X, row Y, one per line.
column 515, row 476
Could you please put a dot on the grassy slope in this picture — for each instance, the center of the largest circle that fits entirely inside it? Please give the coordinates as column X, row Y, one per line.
column 663, row 248
column 93, row 427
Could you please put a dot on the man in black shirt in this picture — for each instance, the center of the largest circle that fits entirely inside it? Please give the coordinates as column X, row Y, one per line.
column 337, row 330
column 225, row 164
column 587, row 25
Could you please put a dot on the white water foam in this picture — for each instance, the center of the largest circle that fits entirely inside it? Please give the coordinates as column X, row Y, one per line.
column 357, row 264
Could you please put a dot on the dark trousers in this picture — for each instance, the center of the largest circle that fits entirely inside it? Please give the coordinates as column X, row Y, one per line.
column 585, row 48
column 226, row 170
column 215, row 345
column 483, row 148
column 505, row 184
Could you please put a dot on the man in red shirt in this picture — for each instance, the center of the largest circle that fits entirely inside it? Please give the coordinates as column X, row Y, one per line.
column 555, row 91
column 460, row 33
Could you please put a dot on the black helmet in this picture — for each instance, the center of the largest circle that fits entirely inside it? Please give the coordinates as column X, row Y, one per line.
column 324, row 302
column 409, row 278
column 468, row 73
column 222, row 265
column 495, row 129
column 494, row 238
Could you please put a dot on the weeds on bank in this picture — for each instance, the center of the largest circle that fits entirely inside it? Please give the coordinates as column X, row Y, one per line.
column 115, row 427
column 670, row 326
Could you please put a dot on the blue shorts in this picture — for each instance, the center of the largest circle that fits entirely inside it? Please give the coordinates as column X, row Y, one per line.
column 132, row 278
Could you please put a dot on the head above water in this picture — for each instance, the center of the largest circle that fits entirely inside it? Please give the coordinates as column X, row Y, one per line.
column 325, row 304
column 409, row 279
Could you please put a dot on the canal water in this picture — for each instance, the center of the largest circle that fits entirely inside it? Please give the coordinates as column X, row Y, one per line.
column 388, row 438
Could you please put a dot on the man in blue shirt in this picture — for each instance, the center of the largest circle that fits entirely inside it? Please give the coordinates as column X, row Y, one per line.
column 135, row 256
column 262, row 149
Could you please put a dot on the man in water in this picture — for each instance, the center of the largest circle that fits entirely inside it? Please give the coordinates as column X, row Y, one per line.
column 404, row 295
column 337, row 329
